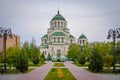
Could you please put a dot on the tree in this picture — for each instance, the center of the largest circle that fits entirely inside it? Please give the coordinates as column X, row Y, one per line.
column 96, row 61
column 42, row 58
column 35, row 56
column 21, row 61
column 118, row 52
column 27, row 49
column 10, row 56
column 49, row 57
column 73, row 52
column 82, row 60
column 108, row 60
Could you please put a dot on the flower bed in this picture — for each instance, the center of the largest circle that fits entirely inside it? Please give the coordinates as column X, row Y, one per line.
column 59, row 64
column 59, row 74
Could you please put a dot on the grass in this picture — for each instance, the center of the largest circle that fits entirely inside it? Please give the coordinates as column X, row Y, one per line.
column 59, row 64
column 33, row 65
column 104, row 71
column 85, row 65
column 52, row 75
column 14, row 71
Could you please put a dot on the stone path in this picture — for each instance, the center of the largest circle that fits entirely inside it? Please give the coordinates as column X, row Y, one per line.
column 38, row 74
column 82, row 74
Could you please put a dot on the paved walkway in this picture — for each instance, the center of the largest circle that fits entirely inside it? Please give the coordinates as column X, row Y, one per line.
column 38, row 74
column 82, row 74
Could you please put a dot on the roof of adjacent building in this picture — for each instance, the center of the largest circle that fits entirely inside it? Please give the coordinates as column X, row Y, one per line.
column 82, row 36
column 58, row 16
column 58, row 34
column 71, row 36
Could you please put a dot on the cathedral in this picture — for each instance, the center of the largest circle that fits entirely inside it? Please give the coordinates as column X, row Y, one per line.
column 58, row 38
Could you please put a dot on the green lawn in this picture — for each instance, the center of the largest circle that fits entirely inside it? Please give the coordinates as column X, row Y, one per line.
column 14, row 71
column 52, row 75
column 85, row 65
column 59, row 64
column 33, row 65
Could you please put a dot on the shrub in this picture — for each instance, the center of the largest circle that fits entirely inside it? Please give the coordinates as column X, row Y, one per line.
column 35, row 59
column 42, row 58
column 96, row 61
column 49, row 57
column 76, row 61
column 82, row 60
column 108, row 60
column 21, row 62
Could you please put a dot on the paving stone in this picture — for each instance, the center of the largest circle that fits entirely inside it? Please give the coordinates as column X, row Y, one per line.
column 82, row 74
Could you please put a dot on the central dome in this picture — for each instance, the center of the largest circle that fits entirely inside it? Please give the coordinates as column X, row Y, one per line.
column 58, row 16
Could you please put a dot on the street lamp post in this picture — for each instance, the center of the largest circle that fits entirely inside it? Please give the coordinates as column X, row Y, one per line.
column 114, row 33
column 4, row 32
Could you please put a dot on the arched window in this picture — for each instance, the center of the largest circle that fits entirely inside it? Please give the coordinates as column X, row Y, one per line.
column 54, row 39
column 45, row 41
column 83, row 42
column 61, row 24
column 80, row 41
column 58, row 24
column 62, row 39
column 58, row 39
column 55, row 24
column 71, row 41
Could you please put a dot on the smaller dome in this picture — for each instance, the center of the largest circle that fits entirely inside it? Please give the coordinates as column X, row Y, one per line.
column 82, row 36
column 58, row 16
column 45, row 36
column 71, row 36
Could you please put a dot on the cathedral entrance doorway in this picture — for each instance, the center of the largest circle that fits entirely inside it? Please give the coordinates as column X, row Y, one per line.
column 58, row 53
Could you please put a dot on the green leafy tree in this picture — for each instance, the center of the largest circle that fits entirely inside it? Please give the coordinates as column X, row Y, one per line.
column 42, row 58
column 1, row 60
column 21, row 61
column 82, row 60
column 10, row 56
column 118, row 52
column 73, row 52
column 26, row 48
column 96, row 61
column 36, row 56
column 108, row 60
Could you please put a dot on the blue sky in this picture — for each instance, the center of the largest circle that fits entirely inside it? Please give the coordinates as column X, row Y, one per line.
column 30, row 18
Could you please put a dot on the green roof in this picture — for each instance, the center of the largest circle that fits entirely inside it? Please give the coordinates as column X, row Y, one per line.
column 45, row 36
column 82, row 36
column 71, row 36
column 58, row 34
column 44, row 45
column 58, row 17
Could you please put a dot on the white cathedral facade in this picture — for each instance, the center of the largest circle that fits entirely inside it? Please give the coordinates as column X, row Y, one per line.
column 58, row 38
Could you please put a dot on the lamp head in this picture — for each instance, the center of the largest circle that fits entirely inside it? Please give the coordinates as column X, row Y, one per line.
column 109, row 36
column 118, row 36
column 0, row 35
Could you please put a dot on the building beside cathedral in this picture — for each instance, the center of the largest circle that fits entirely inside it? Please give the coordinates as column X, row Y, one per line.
column 58, row 38
column 10, row 42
